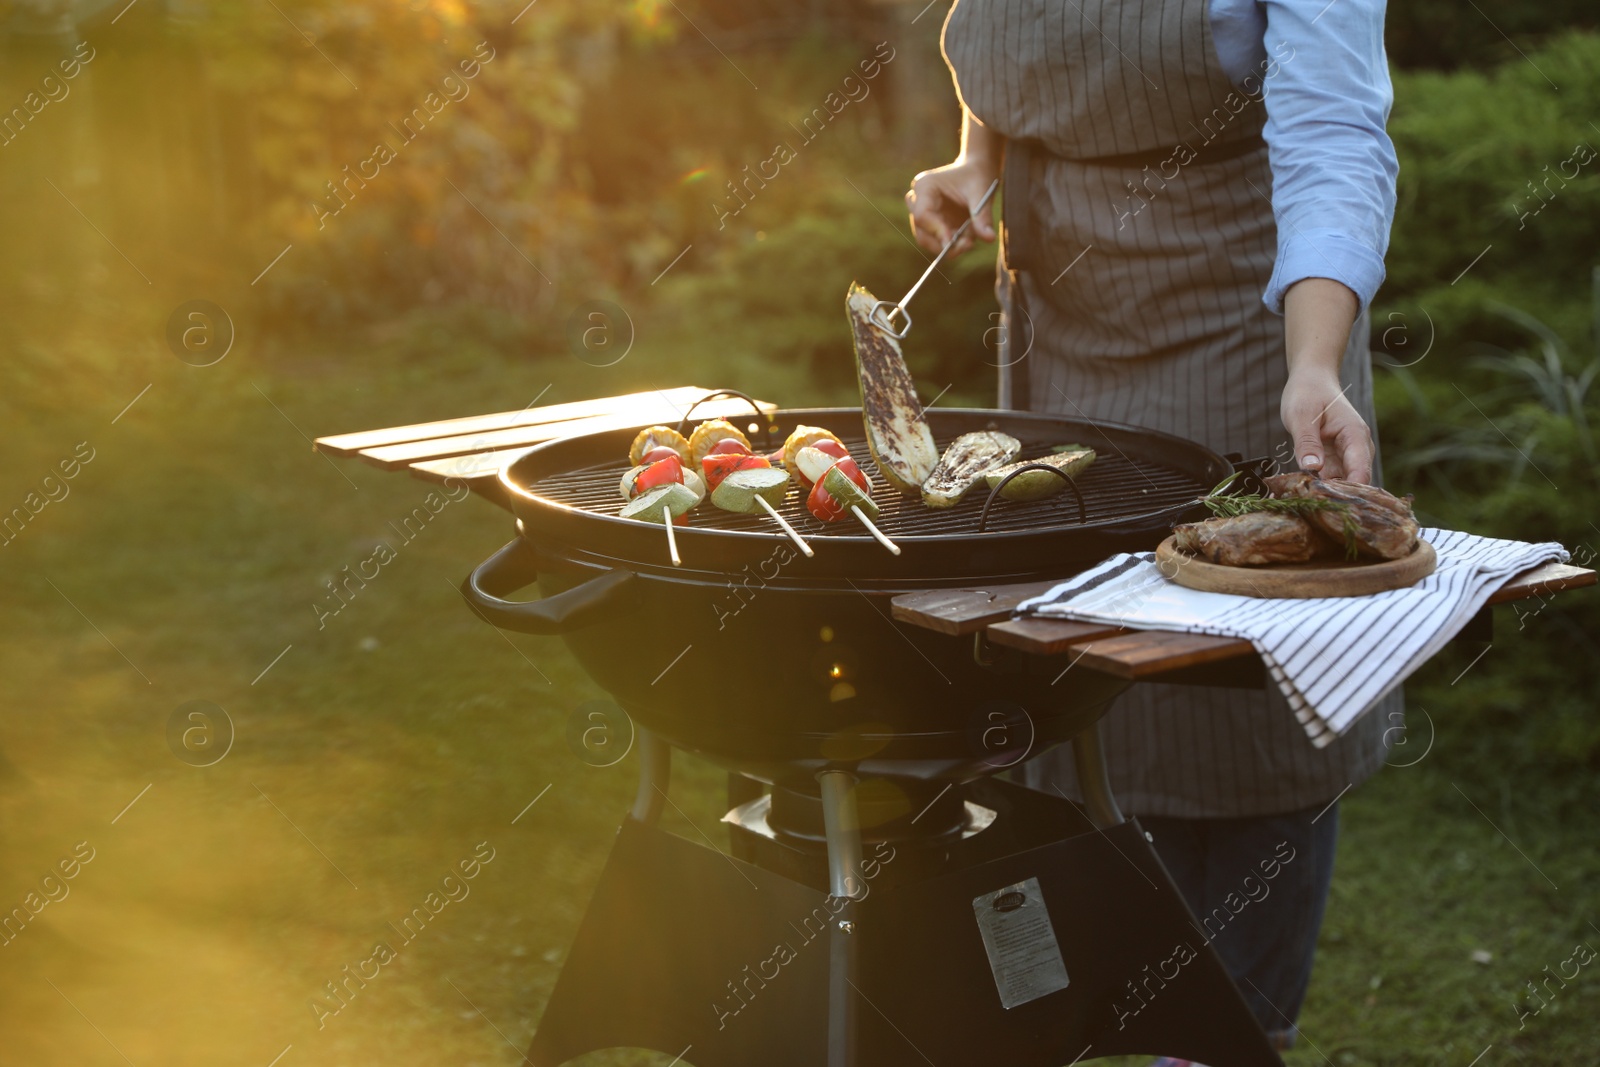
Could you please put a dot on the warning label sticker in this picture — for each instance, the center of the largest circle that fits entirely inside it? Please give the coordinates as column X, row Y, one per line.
column 1023, row 952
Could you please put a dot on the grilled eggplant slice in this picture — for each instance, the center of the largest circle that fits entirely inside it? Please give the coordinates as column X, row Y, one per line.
column 897, row 435
column 1036, row 485
column 969, row 458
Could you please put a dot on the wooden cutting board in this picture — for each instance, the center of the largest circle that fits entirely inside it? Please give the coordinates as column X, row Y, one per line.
column 1297, row 581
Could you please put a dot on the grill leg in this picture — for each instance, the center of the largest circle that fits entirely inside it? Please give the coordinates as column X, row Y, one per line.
column 655, row 774
column 843, row 824
column 1089, row 760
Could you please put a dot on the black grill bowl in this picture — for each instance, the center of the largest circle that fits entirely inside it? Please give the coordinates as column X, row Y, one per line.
column 778, row 665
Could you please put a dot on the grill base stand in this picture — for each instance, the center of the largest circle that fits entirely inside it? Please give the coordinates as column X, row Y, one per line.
column 701, row 955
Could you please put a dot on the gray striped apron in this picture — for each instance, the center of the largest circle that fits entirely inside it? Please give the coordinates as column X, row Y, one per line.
column 1138, row 237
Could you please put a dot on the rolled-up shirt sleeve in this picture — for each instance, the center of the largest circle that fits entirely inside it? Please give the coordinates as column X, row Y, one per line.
column 1333, row 165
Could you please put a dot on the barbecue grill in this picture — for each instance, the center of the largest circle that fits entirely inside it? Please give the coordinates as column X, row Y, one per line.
column 789, row 671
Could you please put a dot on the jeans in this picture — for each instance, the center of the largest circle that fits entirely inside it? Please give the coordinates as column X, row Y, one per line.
column 1258, row 887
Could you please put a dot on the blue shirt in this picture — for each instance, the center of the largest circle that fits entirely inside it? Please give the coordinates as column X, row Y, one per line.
column 1327, row 96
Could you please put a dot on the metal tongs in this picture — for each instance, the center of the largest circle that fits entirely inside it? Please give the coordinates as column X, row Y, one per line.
column 884, row 311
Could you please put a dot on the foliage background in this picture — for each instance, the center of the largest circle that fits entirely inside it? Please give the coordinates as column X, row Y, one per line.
column 590, row 161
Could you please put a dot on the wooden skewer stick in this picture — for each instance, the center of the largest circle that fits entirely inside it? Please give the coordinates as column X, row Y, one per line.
column 672, row 539
column 790, row 530
column 873, row 530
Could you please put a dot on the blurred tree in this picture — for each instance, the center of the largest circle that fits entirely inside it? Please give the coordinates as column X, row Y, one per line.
column 1444, row 35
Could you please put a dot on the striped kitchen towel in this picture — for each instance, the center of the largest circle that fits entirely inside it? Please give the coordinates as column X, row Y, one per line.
column 1333, row 657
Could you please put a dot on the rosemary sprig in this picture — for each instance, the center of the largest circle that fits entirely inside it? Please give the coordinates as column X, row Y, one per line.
column 1226, row 505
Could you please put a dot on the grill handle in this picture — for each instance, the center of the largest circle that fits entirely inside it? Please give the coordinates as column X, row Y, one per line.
column 734, row 394
column 513, row 567
column 1252, row 472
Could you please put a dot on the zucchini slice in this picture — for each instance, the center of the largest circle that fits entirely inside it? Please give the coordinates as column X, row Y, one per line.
column 1036, row 485
column 897, row 435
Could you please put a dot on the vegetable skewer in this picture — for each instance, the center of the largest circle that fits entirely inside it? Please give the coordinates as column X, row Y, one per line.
column 672, row 540
column 665, row 504
column 661, row 486
column 754, row 489
column 873, row 530
column 839, row 487
column 794, row 535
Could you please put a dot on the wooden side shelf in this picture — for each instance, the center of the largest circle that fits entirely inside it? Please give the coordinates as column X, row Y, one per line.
column 1543, row 580
column 476, row 449
column 1134, row 654
column 963, row 611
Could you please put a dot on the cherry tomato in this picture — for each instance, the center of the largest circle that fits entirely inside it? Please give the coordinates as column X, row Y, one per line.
column 659, row 453
column 729, row 446
column 822, row 504
column 718, row 466
column 776, row 459
column 663, row 472
column 828, row 446
column 853, row 471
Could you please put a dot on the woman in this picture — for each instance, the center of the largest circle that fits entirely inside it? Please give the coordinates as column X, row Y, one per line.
column 1178, row 174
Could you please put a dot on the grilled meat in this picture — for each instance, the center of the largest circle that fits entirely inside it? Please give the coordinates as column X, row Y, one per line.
column 1253, row 539
column 1383, row 525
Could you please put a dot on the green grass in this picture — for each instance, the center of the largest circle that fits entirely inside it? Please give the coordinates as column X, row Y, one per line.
column 396, row 739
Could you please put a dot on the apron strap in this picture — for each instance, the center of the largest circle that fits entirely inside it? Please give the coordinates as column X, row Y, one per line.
column 1017, row 240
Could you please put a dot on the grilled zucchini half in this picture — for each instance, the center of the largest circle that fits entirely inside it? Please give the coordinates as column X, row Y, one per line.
column 897, row 435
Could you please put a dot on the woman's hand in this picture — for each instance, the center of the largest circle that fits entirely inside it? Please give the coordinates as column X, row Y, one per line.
column 941, row 199
column 1330, row 437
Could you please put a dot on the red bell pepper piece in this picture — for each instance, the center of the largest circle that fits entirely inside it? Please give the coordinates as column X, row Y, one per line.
column 662, row 472
column 718, row 466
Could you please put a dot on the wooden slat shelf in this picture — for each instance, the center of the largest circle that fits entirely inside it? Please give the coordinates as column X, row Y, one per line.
column 1135, row 654
column 1144, row 653
column 1047, row 637
column 393, row 457
column 480, row 466
column 1544, row 580
column 510, row 431
column 963, row 611
column 476, row 449
column 670, row 401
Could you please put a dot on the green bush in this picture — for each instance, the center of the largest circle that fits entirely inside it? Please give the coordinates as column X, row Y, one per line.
column 1480, row 155
column 1486, row 411
column 1501, row 443
column 1445, row 35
